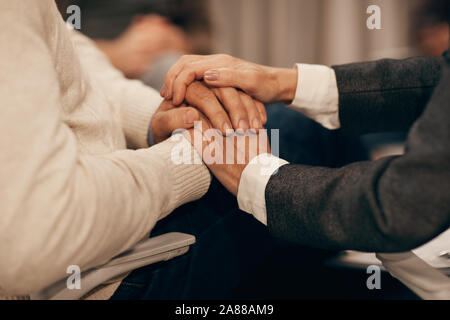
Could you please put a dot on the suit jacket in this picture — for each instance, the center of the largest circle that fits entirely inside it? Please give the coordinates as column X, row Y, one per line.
column 390, row 205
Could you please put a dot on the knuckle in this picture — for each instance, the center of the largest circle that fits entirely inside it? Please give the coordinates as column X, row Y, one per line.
column 239, row 114
column 187, row 76
column 192, row 109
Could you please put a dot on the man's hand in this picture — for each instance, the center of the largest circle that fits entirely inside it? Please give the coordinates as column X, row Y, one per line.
column 169, row 118
column 227, row 156
column 265, row 84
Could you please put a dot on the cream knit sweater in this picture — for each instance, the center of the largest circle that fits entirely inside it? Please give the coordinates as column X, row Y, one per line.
column 70, row 191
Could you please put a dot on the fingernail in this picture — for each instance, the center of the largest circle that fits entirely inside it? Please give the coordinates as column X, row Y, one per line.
column 256, row 124
column 189, row 117
column 243, row 124
column 226, row 127
column 163, row 91
column 211, row 75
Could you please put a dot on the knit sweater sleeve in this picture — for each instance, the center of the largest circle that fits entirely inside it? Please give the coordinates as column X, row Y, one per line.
column 136, row 102
column 60, row 207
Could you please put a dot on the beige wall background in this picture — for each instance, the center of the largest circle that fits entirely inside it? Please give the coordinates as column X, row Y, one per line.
column 282, row 32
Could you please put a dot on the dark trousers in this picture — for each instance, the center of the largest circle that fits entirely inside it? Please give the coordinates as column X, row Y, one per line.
column 235, row 257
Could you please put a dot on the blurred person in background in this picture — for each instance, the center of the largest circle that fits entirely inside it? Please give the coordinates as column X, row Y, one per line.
column 143, row 38
column 430, row 26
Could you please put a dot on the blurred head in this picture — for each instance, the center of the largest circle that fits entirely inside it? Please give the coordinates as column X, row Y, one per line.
column 431, row 23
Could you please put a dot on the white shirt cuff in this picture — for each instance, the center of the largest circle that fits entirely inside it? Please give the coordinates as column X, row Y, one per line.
column 317, row 95
column 252, row 187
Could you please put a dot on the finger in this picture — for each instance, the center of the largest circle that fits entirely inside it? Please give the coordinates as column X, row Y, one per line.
column 262, row 111
column 176, row 119
column 196, row 138
column 194, row 69
column 201, row 97
column 228, row 77
column 184, row 78
column 252, row 111
column 263, row 142
column 166, row 90
column 166, row 105
column 172, row 74
column 206, row 124
column 236, row 109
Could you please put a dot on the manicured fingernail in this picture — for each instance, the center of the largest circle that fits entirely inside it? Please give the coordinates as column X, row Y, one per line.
column 243, row 124
column 189, row 117
column 256, row 124
column 211, row 75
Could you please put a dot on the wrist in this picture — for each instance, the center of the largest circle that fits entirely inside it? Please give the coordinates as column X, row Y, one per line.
column 150, row 135
column 286, row 84
column 287, row 81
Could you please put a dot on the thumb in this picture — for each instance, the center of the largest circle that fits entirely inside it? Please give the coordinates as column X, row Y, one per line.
column 226, row 77
column 181, row 118
column 175, row 119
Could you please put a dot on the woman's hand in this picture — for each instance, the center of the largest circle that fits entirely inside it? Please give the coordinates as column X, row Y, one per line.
column 265, row 84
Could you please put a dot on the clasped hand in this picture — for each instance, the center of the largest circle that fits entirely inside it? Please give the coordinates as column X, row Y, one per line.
column 236, row 117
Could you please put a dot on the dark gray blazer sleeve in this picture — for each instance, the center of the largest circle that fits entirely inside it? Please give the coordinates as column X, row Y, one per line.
column 385, row 95
column 390, row 205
